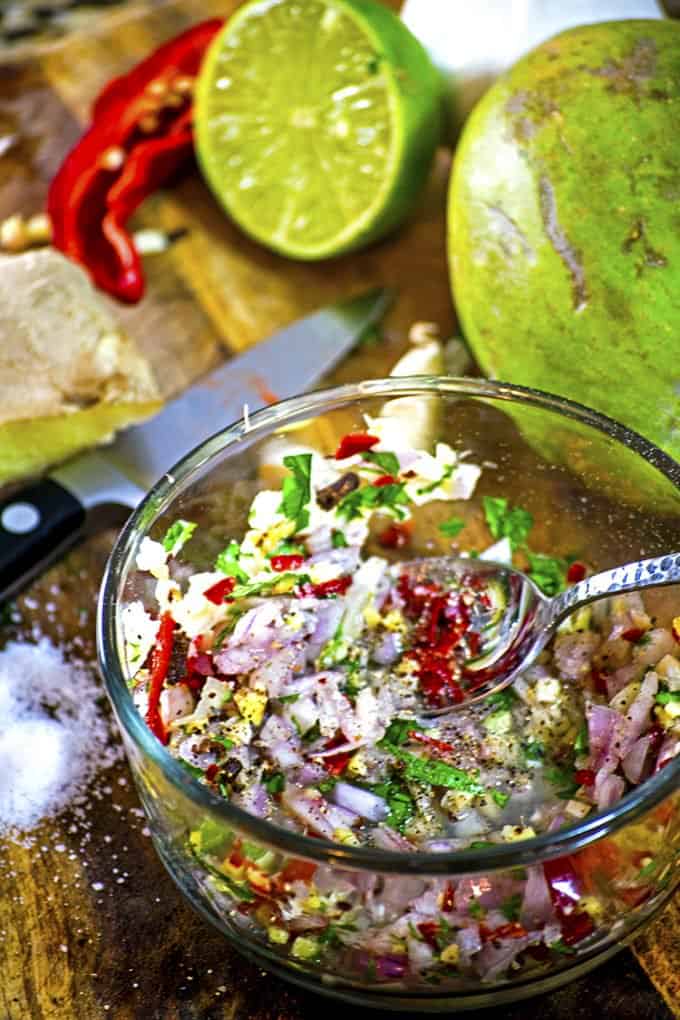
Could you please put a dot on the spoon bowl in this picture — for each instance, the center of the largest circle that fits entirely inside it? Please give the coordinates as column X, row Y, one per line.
column 501, row 619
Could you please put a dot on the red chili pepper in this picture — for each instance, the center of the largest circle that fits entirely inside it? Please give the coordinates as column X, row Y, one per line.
column 211, row 772
column 158, row 669
column 633, row 634
column 218, row 592
column 584, row 777
column 384, row 480
column 297, row 871
column 292, row 562
column 355, row 442
column 511, row 930
column 201, row 663
column 429, row 930
column 576, row 572
column 438, row 745
column 396, row 536
column 336, row 586
column 448, row 898
column 136, row 142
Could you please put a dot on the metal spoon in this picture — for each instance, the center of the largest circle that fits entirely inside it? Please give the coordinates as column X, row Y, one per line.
column 512, row 620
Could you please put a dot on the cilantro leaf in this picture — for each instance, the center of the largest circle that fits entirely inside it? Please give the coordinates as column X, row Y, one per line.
column 452, row 527
column 338, row 540
column 397, row 733
column 327, row 785
column 435, row 773
column 563, row 777
column 431, row 486
column 502, row 699
column 288, row 549
column 372, row 497
column 500, row 797
column 296, row 491
column 581, row 744
column 548, row 573
column 387, row 462
column 399, row 801
column 177, row 536
column 227, row 562
column 504, row 521
column 242, row 591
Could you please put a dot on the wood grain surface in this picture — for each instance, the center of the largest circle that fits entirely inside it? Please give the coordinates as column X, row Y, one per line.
column 90, row 924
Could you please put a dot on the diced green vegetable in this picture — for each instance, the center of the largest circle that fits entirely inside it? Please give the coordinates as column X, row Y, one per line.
column 177, row 536
column 338, row 540
column 500, row 797
column 275, row 783
column 227, row 562
column 665, row 697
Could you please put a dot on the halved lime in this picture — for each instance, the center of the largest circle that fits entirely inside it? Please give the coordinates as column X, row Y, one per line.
column 316, row 122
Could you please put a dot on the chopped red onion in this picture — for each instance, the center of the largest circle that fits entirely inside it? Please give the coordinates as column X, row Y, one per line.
column 633, row 764
column 362, row 802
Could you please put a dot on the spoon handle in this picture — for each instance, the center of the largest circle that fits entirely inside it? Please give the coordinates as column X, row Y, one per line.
column 630, row 577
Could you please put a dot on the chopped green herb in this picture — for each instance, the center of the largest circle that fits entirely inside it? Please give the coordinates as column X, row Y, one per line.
column 435, row 773
column 338, row 540
column 326, row 785
column 399, row 801
column 476, row 910
column 504, row 521
column 288, row 549
column 224, row 741
column 288, row 699
column 548, row 573
column 560, row 946
column 313, row 733
column 581, row 745
column 445, row 475
column 504, row 699
column 177, row 536
column 387, row 462
column 296, row 491
column 227, row 562
column 452, row 527
column 275, row 783
column 242, row 591
column 397, row 733
column 443, row 935
column 534, row 750
column 511, row 907
column 480, row 844
column 648, row 870
column 562, row 777
column 500, row 797
column 373, row 497
column 665, row 697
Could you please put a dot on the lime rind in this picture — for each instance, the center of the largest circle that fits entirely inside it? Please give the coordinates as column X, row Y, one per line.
column 410, row 91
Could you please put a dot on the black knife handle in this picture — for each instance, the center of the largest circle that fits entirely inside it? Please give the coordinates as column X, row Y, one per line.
column 36, row 523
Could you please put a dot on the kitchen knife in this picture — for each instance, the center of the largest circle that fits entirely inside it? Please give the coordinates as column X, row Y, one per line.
column 39, row 522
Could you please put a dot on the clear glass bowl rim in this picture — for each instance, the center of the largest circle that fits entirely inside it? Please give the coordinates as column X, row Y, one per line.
column 259, row 424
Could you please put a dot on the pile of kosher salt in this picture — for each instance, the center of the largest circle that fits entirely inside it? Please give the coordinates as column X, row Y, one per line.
column 54, row 734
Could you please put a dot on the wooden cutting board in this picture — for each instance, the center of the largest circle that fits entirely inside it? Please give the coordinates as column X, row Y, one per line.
column 90, row 925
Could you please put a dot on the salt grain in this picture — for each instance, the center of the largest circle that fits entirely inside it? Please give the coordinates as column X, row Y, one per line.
column 54, row 736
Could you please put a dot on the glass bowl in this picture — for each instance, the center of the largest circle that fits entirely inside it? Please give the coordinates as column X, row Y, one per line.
column 597, row 491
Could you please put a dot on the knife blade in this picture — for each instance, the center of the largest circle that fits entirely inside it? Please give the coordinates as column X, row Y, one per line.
column 39, row 522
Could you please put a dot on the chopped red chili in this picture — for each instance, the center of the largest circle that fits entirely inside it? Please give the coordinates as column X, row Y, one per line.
column 336, row 586
column 576, row 572
column 633, row 634
column 355, row 442
column 384, row 480
column 511, row 930
column 565, row 892
column 211, row 772
column 437, row 745
column 281, row 563
column 584, row 777
column 448, row 898
column 599, row 681
column 429, row 931
column 158, row 669
column 136, row 142
column 218, row 592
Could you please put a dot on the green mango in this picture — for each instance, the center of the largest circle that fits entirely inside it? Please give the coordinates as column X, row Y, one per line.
column 564, row 224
